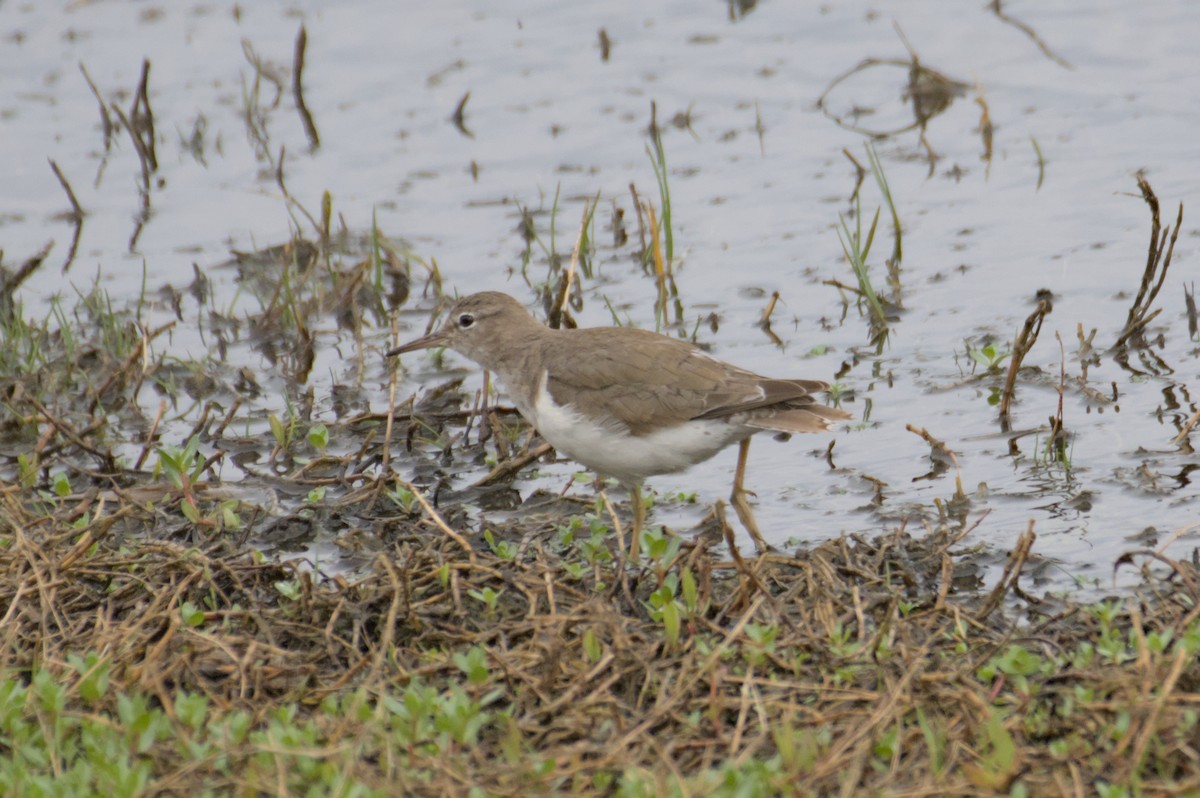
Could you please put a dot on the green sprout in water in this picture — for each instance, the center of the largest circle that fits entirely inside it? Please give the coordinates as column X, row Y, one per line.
column 318, row 437
column 61, row 484
column 489, row 597
column 403, row 498
column 988, row 356
column 183, row 467
column 504, row 549
column 664, row 608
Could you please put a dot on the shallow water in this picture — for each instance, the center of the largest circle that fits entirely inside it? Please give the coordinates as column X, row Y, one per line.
column 753, row 213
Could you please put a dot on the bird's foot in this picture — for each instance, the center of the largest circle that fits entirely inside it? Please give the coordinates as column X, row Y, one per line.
column 741, row 506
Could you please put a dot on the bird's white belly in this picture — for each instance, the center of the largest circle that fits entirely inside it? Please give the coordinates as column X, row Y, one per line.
column 630, row 458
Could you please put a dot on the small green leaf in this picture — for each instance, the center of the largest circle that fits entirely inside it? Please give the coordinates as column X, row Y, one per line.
column 689, row 589
column 190, row 511
column 278, row 431
column 288, row 588
column 192, row 615
column 27, row 468
column 671, row 620
column 229, row 517
column 591, row 645
column 473, row 664
column 318, row 436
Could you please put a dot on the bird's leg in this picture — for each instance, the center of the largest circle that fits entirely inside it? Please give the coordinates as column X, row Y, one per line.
column 639, row 520
column 620, row 574
column 741, row 504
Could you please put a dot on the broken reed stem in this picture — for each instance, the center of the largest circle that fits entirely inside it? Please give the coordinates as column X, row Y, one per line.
column 1056, row 443
column 1149, row 731
column 151, row 435
column 1183, row 571
column 511, row 465
column 11, row 283
column 436, row 517
column 1187, row 428
column 1012, row 572
column 765, row 320
column 140, row 352
column 389, row 421
column 1028, row 30
column 141, row 115
column 77, row 212
column 140, row 125
column 1024, row 341
column 459, row 117
column 287, row 195
column 144, row 157
column 1193, row 317
column 938, row 446
column 106, row 123
column 1158, row 260
column 564, row 286
column 986, row 128
column 660, row 265
column 860, row 173
column 310, row 128
column 637, row 206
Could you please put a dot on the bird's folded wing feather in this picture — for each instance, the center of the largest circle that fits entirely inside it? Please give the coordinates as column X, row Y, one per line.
column 645, row 381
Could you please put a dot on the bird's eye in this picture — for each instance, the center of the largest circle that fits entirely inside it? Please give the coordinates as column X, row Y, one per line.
column 466, row 320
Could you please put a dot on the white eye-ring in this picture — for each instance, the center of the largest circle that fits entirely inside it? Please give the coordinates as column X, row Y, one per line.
column 466, row 320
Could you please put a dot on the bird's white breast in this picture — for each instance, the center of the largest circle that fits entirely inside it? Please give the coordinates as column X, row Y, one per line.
column 612, row 450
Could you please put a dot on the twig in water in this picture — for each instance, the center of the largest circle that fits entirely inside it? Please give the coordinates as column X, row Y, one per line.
column 106, row 123
column 459, row 117
column 637, row 204
column 292, row 201
column 10, row 283
column 986, row 128
column 860, row 173
column 142, row 117
column 1056, row 444
column 310, row 129
column 75, row 217
column 1041, row 162
column 434, row 516
column 765, row 320
column 1031, row 33
column 1021, row 345
column 1187, row 428
column 1012, row 573
column 938, row 448
column 77, row 212
column 1158, row 260
column 559, row 306
column 761, row 130
column 1189, row 302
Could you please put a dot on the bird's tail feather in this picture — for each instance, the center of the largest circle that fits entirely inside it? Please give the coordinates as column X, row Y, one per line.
column 813, row 418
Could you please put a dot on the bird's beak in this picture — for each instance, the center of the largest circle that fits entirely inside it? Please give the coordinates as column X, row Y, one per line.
column 430, row 341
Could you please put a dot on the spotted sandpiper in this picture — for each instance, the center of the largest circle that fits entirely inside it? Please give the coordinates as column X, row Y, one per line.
column 627, row 403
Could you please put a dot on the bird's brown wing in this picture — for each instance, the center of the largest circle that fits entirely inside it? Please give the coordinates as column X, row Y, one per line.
column 644, row 381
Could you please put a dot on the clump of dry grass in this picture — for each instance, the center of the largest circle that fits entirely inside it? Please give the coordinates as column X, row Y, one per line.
column 856, row 667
